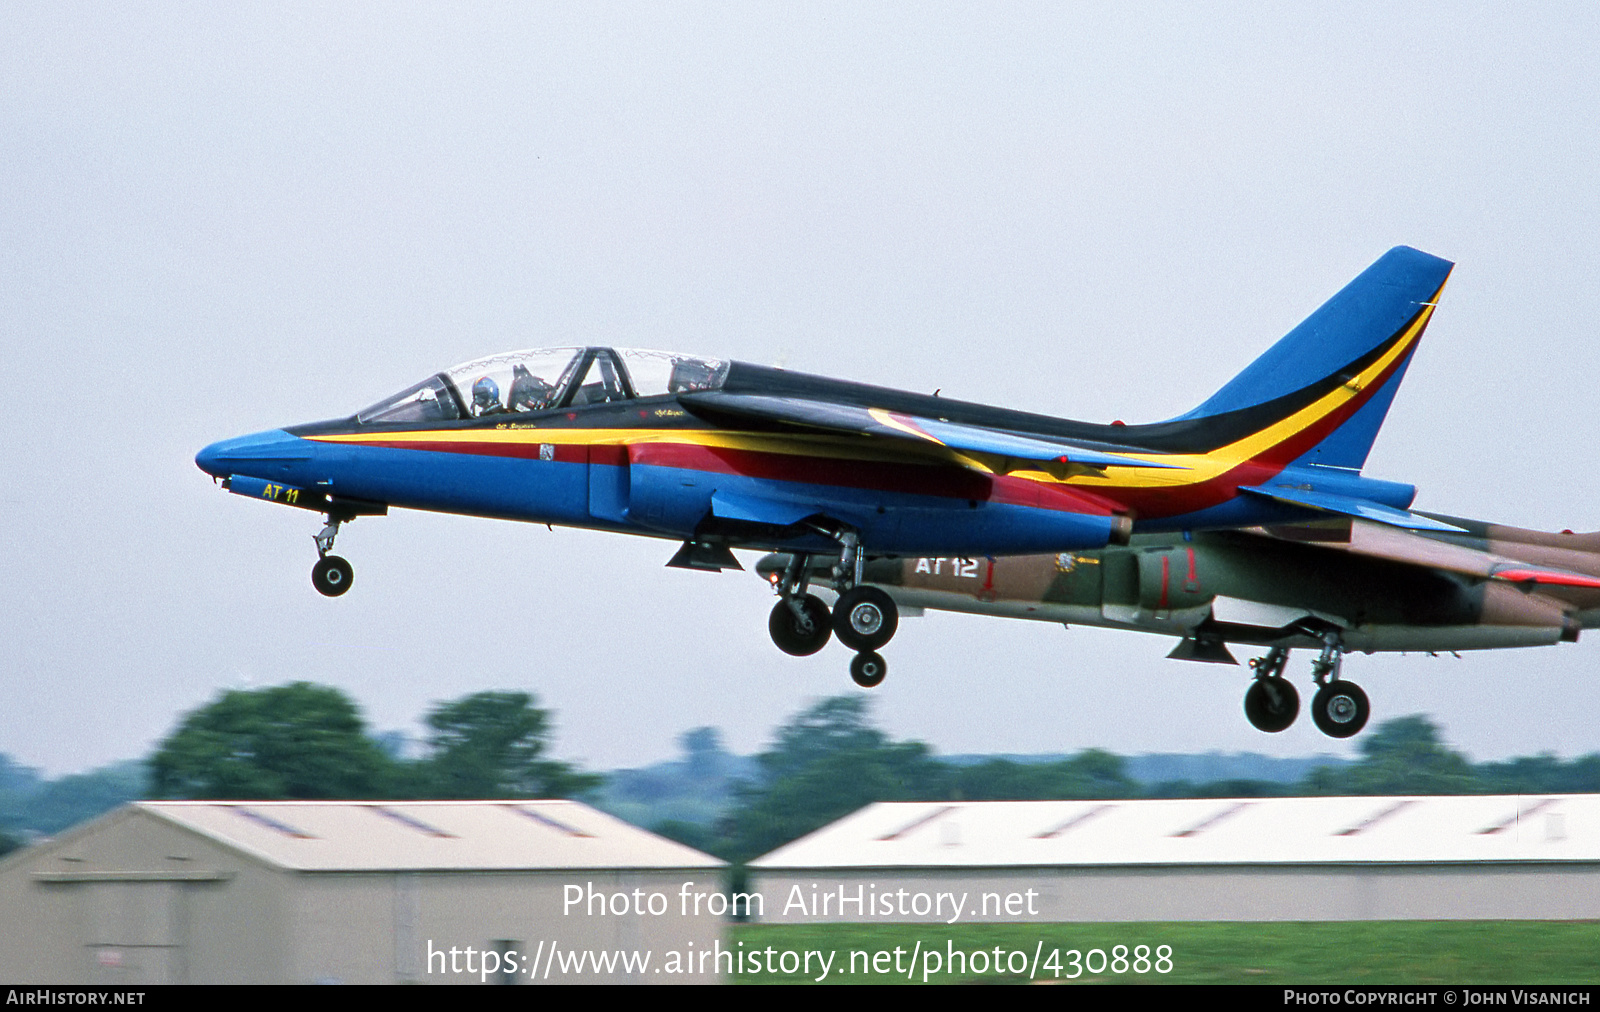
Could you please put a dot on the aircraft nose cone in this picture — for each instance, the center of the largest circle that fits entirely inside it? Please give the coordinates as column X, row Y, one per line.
column 210, row 459
column 248, row 454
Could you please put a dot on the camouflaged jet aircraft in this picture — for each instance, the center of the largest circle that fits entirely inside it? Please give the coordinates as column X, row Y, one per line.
column 1334, row 585
column 723, row 455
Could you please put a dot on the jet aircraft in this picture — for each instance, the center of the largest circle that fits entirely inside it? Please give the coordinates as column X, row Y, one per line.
column 720, row 455
column 1332, row 585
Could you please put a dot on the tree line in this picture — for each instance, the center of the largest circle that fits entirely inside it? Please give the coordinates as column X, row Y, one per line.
column 306, row 741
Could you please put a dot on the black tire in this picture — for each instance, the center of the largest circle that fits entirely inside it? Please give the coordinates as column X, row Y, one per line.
column 868, row 669
column 331, row 576
column 865, row 618
column 1340, row 709
column 1271, row 704
column 791, row 635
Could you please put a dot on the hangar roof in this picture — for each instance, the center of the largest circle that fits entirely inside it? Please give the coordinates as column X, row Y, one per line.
column 1359, row 830
column 427, row 835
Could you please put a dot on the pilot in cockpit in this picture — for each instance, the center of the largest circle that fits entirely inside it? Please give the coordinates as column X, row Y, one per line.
column 528, row 392
column 486, row 398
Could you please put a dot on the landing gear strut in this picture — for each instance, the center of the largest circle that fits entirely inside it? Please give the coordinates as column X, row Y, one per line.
column 331, row 575
column 864, row 618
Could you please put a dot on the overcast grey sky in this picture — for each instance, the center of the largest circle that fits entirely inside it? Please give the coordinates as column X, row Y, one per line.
column 217, row 219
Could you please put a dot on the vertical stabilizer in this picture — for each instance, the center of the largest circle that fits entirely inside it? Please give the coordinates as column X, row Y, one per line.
column 1362, row 339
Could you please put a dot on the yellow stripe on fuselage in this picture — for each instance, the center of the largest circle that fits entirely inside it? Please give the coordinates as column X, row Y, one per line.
column 846, row 447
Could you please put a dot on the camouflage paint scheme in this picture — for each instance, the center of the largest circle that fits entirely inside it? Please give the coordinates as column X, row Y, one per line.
column 1381, row 588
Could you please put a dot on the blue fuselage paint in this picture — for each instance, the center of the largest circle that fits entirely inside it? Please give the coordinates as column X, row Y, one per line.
column 666, row 502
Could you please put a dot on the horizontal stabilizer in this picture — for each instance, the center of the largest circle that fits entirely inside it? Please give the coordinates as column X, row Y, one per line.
column 1327, row 502
column 879, row 423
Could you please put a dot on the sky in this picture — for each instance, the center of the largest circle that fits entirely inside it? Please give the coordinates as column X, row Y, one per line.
column 219, row 219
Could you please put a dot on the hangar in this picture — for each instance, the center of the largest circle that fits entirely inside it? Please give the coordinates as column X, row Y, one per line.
column 1256, row 859
column 352, row 891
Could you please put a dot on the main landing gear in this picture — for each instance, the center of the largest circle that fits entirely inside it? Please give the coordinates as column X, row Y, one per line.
column 864, row 618
column 331, row 575
column 1271, row 704
column 1339, row 709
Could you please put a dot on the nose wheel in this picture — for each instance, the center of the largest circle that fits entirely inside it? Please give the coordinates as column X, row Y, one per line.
column 868, row 669
column 332, row 574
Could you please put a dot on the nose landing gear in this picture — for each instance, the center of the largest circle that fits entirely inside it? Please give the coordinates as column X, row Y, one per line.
column 332, row 574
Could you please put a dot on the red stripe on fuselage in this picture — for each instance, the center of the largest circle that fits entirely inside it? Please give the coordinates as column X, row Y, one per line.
column 943, row 481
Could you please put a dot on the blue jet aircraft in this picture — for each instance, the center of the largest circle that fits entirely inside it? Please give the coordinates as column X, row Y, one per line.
column 722, row 455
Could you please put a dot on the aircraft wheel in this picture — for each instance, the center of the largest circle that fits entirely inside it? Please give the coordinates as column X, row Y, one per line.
column 865, row 618
column 1271, row 704
column 796, row 638
column 1340, row 709
column 331, row 576
column 868, row 669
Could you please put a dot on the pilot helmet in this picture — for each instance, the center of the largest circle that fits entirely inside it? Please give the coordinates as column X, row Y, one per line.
column 485, row 394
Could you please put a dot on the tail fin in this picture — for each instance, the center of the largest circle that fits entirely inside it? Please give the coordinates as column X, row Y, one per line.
column 1361, row 340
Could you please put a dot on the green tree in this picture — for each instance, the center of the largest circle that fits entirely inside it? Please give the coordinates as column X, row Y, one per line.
column 290, row 741
column 80, row 797
column 1092, row 773
column 492, row 745
column 827, row 762
column 1403, row 756
column 703, row 752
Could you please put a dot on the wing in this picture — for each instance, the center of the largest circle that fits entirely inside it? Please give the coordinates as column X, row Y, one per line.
column 1381, row 541
column 997, row 450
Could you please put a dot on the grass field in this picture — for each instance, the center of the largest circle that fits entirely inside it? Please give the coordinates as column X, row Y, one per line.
column 1371, row 952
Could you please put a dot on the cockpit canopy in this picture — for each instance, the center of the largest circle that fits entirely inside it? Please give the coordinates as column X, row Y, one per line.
column 543, row 379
